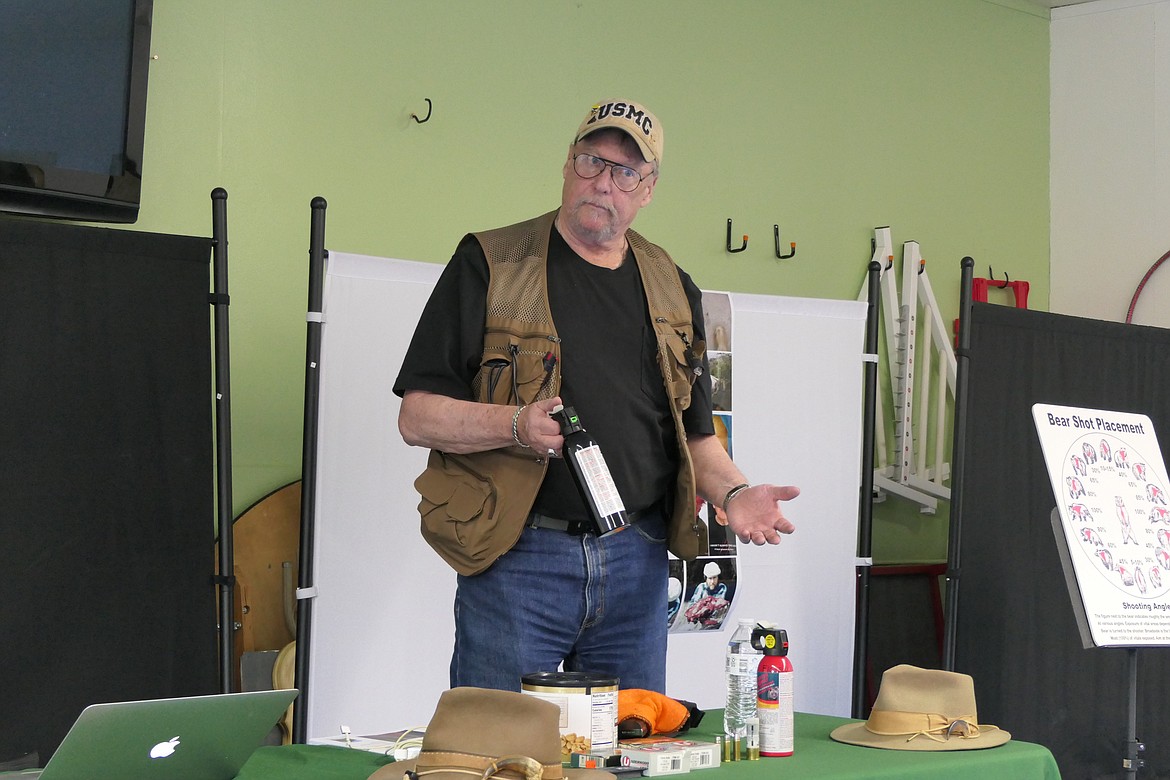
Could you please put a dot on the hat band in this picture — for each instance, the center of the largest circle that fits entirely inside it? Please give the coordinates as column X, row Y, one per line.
column 940, row 728
column 522, row 767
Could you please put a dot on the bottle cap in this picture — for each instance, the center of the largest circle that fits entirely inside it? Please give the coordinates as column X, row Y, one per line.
column 772, row 641
column 567, row 417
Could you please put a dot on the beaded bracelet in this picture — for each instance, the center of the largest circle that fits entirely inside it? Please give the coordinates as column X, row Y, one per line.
column 516, row 433
column 735, row 491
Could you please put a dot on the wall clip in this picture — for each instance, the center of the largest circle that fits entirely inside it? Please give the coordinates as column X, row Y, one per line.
column 729, row 247
column 792, row 246
column 426, row 118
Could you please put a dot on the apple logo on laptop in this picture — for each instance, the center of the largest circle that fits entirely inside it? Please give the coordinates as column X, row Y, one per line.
column 164, row 749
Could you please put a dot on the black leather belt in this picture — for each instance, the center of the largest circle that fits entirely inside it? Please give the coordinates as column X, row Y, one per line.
column 582, row 527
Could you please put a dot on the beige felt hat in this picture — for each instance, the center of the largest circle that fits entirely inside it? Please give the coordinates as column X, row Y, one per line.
column 923, row 709
column 481, row 733
column 633, row 119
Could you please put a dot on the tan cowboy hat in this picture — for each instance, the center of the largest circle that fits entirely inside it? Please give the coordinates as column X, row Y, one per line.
column 923, row 709
column 481, row 733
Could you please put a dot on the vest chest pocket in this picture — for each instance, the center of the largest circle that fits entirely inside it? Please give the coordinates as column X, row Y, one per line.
column 515, row 371
column 679, row 361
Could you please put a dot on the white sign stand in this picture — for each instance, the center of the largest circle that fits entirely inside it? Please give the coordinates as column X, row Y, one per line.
column 1112, row 528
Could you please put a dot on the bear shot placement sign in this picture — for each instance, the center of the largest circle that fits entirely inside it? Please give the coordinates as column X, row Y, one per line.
column 1112, row 522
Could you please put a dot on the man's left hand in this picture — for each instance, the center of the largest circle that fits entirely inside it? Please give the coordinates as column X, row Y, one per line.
column 754, row 514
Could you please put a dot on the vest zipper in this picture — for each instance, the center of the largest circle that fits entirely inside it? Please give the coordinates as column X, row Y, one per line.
column 528, row 335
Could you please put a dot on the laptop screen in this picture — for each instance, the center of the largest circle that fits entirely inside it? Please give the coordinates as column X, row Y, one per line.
column 189, row 738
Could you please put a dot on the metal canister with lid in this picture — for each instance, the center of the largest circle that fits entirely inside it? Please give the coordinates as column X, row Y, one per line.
column 589, row 708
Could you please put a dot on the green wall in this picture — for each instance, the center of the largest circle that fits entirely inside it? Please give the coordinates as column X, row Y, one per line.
column 829, row 117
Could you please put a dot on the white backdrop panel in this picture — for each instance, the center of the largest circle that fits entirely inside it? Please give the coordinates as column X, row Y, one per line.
column 382, row 626
column 801, row 396
column 382, row 622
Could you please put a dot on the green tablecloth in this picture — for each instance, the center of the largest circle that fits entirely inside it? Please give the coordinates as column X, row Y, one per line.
column 815, row 756
column 311, row 762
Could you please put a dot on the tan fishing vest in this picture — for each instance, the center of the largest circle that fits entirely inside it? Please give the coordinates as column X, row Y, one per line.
column 474, row 506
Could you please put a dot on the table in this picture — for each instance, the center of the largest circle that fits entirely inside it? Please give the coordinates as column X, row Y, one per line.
column 815, row 756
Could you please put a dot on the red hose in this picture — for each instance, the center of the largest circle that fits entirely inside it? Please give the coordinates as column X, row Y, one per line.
column 1138, row 291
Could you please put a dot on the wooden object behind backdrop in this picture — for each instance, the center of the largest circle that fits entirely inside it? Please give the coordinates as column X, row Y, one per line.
column 265, row 537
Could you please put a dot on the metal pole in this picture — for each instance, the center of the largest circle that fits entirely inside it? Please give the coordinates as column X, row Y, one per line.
column 865, row 496
column 958, row 458
column 306, row 591
column 223, row 440
column 1133, row 749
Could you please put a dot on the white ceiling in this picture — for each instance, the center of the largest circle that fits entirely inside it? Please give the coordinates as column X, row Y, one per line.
column 1059, row 3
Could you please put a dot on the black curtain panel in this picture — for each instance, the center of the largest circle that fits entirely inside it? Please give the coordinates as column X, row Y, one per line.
column 106, row 474
column 1016, row 630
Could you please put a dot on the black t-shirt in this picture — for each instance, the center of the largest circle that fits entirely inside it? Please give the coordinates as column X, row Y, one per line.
column 609, row 366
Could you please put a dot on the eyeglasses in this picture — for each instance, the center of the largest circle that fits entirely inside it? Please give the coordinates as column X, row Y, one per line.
column 590, row 166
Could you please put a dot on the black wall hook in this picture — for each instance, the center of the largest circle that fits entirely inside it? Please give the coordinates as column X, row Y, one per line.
column 792, row 245
column 991, row 278
column 745, row 240
column 426, row 118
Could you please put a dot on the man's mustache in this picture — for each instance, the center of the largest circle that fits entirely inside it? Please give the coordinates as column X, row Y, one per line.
column 608, row 209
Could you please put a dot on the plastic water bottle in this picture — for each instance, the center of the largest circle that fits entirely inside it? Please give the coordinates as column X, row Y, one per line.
column 743, row 661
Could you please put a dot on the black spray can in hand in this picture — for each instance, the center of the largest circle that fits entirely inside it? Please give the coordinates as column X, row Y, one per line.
column 587, row 465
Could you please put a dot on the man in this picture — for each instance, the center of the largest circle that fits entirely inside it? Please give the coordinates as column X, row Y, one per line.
column 710, row 586
column 572, row 307
column 708, row 605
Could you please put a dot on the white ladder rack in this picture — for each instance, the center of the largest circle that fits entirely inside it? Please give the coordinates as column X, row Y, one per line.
column 921, row 369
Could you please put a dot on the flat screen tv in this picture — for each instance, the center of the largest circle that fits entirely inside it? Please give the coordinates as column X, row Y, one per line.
column 73, row 107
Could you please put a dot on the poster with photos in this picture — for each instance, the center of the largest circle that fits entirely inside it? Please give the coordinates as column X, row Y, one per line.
column 701, row 592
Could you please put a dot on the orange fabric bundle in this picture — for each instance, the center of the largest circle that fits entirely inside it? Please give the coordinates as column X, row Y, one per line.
column 658, row 714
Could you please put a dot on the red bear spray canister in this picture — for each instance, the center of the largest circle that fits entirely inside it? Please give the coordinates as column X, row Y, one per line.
column 774, row 691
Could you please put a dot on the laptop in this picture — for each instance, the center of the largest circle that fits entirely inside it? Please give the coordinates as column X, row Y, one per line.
column 189, row 738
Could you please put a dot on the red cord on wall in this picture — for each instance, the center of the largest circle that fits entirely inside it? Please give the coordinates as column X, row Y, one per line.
column 1138, row 291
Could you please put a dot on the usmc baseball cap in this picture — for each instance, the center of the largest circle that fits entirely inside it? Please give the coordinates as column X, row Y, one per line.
column 633, row 119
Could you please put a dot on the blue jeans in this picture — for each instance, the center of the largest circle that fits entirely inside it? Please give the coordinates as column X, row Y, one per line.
column 595, row 605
